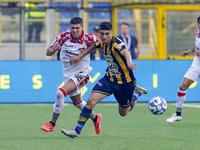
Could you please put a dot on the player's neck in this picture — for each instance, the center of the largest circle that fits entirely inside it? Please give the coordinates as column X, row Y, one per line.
column 77, row 38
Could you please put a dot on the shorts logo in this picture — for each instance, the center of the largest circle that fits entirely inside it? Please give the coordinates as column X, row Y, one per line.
column 127, row 105
column 99, row 83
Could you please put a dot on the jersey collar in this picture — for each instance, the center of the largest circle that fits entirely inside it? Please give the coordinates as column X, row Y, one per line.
column 80, row 40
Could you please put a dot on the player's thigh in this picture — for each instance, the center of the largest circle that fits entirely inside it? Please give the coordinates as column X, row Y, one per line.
column 101, row 90
column 94, row 99
column 123, row 93
column 75, row 82
column 186, row 83
column 69, row 86
column 190, row 76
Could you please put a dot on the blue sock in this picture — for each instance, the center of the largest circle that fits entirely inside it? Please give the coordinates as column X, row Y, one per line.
column 137, row 94
column 134, row 99
column 85, row 114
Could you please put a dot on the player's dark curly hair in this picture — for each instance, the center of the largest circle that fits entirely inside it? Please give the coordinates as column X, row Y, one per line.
column 106, row 26
column 77, row 20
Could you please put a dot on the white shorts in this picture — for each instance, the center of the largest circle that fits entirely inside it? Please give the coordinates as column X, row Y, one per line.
column 192, row 74
column 80, row 79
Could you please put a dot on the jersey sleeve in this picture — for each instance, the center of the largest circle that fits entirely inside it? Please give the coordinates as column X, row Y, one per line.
column 58, row 39
column 90, row 39
column 119, row 45
column 99, row 44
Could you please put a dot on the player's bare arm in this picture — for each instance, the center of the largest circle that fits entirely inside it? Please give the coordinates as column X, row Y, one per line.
column 77, row 58
column 184, row 53
column 51, row 51
column 127, row 55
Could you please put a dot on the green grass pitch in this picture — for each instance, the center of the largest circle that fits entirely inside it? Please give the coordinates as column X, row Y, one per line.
column 139, row 130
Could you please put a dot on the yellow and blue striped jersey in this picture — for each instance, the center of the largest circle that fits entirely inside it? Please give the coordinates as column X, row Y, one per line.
column 117, row 70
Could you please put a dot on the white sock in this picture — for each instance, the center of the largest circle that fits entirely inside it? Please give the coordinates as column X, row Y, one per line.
column 59, row 104
column 181, row 95
column 81, row 104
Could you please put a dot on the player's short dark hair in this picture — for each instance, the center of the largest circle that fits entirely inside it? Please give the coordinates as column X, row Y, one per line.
column 77, row 20
column 124, row 23
column 106, row 26
column 198, row 19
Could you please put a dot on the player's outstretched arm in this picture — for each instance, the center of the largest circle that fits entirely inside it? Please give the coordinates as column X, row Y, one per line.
column 184, row 53
column 77, row 58
column 127, row 55
column 51, row 51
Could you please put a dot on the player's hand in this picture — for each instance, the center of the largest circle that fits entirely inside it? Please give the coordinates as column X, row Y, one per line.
column 132, row 66
column 184, row 53
column 75, row 59
column 56, row 47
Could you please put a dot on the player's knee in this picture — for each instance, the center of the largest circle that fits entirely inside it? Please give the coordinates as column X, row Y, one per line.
column 122, row 114
column 59, row 94
column 183, row 87
column 90, row 103
column 59, row 104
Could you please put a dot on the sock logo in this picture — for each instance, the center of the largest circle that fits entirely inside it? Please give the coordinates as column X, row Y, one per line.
column 82, row 119
column 57, row 106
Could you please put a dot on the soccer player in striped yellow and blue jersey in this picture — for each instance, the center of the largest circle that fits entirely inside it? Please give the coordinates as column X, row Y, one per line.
column 119, row 79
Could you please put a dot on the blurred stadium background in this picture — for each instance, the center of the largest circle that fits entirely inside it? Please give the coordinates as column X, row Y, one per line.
column 163, row 28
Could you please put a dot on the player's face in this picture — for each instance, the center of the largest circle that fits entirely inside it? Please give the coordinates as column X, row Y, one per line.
column 106, row 36
column 76, row 30
column 124, row 29
column 97, row 33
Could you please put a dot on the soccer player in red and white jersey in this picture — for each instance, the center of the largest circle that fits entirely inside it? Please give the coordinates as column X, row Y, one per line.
column 190, row 76
column 71, row 43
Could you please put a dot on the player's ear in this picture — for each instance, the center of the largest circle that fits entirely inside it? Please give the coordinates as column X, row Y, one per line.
column 111, row 32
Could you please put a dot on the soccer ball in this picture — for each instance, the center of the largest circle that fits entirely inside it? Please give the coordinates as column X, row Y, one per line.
column 157, row 105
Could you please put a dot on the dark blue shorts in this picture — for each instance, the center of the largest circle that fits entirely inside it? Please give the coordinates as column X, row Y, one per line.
column 122, row 92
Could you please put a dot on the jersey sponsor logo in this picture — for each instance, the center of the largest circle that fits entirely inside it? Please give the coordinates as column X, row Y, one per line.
column 113, row 69
column 69, row 45
column 108, row 57
column 69, row 54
